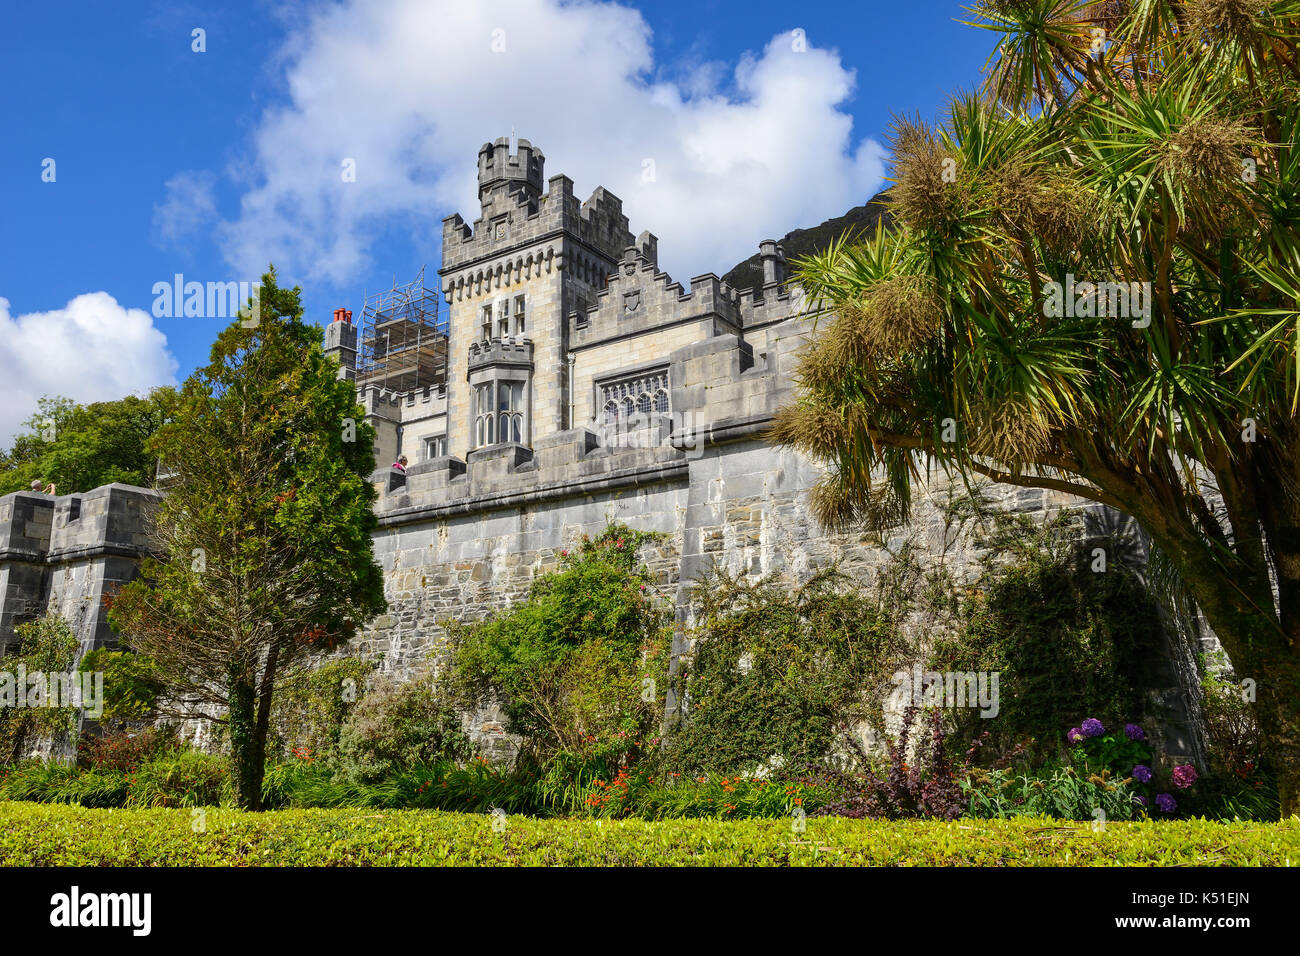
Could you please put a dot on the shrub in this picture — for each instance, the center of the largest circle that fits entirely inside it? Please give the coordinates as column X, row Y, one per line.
column 45, row 645
column 1120, row 751
column 1231, row 733
column 187, row 778
column 174, row 778
column 312, row 706
column 580, row 666
column 773, row 674
column 123, row 750
column 35, row 835
column 1127, row 755
column 132, row 683
column 474, row 786
column 637, row 794
column 397, row 724
column 1238, row 784
column 1064, row 639
column 927, row 788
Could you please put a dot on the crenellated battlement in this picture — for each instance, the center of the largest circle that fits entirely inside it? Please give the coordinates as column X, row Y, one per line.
column 67, row 553
column 515, row 215
column 516, row 172
column 509, row 352
column 721, row 391
column 639, row 299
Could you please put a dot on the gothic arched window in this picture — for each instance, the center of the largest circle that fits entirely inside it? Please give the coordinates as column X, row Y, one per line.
column 644, row 394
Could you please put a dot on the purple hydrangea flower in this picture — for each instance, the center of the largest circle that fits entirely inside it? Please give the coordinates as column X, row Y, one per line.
column 1184, row 776
column 1142, row 773
column 1092, row 727
column 1134, row 732
column 1074, row 735
column 1142, row 800
column 1166, row 803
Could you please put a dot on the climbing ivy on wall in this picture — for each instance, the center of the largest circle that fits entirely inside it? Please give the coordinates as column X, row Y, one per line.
column 774, row 673
column 1069, row 635
column 46, row 646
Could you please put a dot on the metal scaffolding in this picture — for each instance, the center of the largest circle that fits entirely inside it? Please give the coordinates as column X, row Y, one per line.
column 403, row 343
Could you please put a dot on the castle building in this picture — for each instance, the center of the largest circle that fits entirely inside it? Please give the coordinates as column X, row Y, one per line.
column 569, row 384
column 557, row 318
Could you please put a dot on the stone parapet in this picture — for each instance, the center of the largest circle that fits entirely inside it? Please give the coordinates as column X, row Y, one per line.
column 507, row 352
column 67, row 553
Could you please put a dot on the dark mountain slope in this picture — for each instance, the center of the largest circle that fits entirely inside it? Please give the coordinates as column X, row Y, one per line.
column 802, row 242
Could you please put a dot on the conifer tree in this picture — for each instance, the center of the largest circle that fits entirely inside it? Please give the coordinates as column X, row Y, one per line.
column 263, row 547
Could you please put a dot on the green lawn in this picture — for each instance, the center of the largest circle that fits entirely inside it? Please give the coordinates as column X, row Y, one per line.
column 55, row 835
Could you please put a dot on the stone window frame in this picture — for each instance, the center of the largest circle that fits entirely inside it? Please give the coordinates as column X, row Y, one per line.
column 435, row 446
column 641, row 390
column 485, row 423
column 503, row 317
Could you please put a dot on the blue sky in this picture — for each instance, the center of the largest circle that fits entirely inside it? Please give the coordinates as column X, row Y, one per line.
column 210, row 164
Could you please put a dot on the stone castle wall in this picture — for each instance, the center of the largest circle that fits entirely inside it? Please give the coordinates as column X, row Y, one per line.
column 65, row 554
column 461, row 542
column 462, row 538
column 466, row 533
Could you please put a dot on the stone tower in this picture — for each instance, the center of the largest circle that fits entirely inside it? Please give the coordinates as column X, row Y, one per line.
column 510, row 282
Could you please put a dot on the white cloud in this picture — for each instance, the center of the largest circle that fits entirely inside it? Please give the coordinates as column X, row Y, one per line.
column 409, row 89
column 91, row 350
column 190, row 205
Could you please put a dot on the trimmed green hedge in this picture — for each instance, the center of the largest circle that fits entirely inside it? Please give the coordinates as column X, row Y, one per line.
column 50, row 835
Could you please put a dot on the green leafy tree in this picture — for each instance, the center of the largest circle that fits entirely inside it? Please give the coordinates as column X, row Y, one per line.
column 264, row 534
column 46, row 646
column 131, row 683
column 1148, row 150
column 80, row 447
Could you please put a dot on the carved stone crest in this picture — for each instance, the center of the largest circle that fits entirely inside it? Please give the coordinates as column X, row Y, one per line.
column 632, row 300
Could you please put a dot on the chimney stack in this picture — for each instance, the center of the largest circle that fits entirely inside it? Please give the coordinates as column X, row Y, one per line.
column 773, row 257
column 341, row 343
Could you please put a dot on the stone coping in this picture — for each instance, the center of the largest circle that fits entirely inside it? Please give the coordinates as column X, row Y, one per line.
column 723, row 431
column 613, row 481
column 64, row 555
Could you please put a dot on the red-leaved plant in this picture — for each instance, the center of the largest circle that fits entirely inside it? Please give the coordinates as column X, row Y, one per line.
column 928, row 788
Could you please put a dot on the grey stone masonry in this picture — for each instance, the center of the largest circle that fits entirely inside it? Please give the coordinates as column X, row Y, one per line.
column 641, row 403
column 66, row 554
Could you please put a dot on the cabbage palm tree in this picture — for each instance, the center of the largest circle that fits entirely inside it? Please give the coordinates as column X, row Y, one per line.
column 1092, row 285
